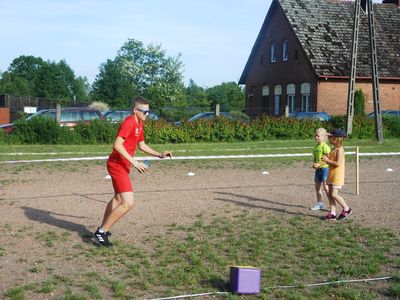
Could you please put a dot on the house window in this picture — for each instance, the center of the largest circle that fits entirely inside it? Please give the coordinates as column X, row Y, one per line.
column 265, row 96
column 291, row 97
column 285, row 50
column 277, row 98
column 265, row 90
column 305, row 97
column 273, row 52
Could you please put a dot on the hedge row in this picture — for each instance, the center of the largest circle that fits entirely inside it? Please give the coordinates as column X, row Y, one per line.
column 47, row 131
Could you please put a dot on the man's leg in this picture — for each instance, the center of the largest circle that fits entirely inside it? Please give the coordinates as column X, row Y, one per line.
column 121, row 208
column 112, row 204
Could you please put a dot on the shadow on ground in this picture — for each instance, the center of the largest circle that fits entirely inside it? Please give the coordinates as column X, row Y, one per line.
column 50, row 218
column 252, row 202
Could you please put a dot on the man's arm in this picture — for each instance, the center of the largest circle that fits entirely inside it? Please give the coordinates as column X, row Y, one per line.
column 119, row 147
column 145, row 148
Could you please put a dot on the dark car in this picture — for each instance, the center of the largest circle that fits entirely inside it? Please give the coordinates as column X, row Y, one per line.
column 212, row 116
column 386, row 113
column 115, row 116
column 311, row 115
column 70, row 116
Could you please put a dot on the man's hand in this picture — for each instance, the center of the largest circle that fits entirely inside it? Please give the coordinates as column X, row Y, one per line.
column 141, row 167
column 165, row 154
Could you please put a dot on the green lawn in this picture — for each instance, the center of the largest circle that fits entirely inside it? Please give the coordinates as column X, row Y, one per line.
column 289, row 250
column 30, row 152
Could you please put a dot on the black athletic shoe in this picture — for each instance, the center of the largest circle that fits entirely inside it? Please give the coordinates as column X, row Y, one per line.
column 108, row 233
column 102, row 238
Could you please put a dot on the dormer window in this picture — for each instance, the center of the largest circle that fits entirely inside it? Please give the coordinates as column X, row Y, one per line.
column 273, row 52
column 285, row 50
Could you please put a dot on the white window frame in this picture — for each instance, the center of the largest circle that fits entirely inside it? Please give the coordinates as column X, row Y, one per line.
column 265, row 90
column 285, row 50
column 273, row 53
column 291, row 96
column 277, row 99
column 305, row 97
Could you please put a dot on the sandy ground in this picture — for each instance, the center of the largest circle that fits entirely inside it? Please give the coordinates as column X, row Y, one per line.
column 37, row 198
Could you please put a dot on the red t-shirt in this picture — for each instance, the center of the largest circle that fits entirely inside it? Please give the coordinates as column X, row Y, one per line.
column 132, row 133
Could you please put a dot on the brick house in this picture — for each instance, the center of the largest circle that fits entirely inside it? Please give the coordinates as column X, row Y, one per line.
column 302, row 58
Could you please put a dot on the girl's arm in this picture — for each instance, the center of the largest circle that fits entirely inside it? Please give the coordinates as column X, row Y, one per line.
column 339, row 158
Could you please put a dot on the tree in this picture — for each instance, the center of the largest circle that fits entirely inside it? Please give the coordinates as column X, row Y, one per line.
column 137, row 69
column 197, row 96
column 14, row 85
column 26, row 67
column 57, row 81
column 32, row 76
column 112, row 86
column 228, row 95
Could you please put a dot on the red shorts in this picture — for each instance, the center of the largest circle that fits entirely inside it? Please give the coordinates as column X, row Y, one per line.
column 119, row 173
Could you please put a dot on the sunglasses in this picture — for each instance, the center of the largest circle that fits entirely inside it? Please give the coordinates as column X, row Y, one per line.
column 143, row 111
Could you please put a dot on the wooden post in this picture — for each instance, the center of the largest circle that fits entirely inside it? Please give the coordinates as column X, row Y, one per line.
column 217, row 110
column 58, row 113
column 357, row 171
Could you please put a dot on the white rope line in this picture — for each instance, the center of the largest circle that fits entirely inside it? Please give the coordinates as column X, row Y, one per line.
column 281, row 287
column 177, row 150
column 191, row 295
column 328, row 283
column 193, row 157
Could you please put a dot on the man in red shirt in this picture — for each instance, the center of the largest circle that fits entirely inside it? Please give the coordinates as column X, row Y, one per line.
column 130, row 135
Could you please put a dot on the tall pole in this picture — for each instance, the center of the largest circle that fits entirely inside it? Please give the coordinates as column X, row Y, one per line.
column 352, row 82
column 375, row 75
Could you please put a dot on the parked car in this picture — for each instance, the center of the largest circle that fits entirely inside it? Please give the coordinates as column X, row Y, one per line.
column 212, row 116
column 386, row 113
column 70, row 116
column 311, row 115
column 115, row 116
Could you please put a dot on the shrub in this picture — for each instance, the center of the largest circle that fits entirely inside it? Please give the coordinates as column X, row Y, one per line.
column 359, row 103
column 36, row 131
column 96, row 132
column 47, row 131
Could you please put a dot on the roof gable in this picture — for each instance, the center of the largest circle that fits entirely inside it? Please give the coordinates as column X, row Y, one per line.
column 324, row 29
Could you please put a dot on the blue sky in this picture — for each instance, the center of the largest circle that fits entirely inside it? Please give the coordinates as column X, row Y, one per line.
column 214, row 37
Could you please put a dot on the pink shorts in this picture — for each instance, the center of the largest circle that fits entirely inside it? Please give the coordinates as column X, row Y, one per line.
column 119, row 173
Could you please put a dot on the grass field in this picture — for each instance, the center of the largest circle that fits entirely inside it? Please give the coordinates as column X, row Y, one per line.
column 195, row 258
column 31, row 152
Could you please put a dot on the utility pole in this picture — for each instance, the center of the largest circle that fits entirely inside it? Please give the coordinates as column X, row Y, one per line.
column 367, row 7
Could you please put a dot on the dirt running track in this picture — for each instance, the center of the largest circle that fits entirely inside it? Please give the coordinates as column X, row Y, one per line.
column 40, row 198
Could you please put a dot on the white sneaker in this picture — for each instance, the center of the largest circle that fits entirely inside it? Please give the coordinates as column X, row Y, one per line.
column 317, row 207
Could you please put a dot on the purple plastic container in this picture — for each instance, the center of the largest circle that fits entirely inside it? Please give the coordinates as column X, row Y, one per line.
column 245, row 280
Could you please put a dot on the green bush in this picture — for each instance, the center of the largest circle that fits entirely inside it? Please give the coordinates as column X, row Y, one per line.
column 96, row 132
column 359, row 103
column 391, row 127
column 36, row 131
column 47, row 131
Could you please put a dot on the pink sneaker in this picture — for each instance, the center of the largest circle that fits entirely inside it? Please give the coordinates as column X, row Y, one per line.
column 344, row 214
column 329, row 217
